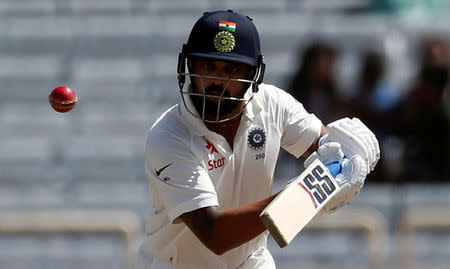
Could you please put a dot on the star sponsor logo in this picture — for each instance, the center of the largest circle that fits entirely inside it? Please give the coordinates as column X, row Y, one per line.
column 211, row 147
column 217, row 162
column 214, row 164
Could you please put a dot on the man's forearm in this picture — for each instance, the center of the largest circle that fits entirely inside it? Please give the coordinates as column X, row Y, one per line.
column 238, row 225
column 221, row 231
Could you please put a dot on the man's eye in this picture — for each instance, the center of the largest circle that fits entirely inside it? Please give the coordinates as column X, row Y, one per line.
column 208, row 66
column 234, row 70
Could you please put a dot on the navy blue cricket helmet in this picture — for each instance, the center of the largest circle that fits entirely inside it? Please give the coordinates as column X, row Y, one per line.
column 223, row 36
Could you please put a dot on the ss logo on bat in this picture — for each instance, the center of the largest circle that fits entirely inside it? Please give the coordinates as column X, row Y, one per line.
column 319, row 183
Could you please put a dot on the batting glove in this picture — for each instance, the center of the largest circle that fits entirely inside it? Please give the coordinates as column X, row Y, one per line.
column 349, row 173
column 355, row 139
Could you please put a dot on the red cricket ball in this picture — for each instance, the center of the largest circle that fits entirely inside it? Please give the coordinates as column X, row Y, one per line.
column 63, row 99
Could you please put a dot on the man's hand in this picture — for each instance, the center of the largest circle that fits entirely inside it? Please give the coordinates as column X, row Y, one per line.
column 327, row 153
column 351, row 180
column 350, row 177
column 355, row 139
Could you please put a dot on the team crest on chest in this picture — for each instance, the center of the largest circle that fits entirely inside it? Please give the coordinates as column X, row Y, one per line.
column 256, row 138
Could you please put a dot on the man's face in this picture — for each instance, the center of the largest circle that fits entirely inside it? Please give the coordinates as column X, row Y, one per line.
column 219, row 86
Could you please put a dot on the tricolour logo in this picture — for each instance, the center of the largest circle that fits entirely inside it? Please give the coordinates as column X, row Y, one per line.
column 227, row 25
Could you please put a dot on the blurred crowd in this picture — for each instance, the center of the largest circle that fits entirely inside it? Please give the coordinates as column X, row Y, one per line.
column 412, row 125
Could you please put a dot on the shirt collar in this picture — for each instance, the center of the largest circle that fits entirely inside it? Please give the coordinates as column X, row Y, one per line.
column 196, row 125
column 253, row 107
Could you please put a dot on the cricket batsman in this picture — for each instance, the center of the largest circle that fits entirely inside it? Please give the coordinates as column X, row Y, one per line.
column 210, row 159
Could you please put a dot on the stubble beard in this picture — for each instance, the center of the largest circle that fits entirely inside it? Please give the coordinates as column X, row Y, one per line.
column 211, row 104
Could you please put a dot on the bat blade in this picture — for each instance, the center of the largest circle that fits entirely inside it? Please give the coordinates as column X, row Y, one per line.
column 299, row 202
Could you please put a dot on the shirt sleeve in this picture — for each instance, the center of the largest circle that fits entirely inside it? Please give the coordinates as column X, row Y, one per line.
column 300, row 128
column 178, row 181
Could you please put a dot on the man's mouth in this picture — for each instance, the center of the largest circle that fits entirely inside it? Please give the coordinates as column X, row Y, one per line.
column 217, row 91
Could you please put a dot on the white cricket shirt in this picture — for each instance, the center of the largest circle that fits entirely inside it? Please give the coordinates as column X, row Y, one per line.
column 190, row 167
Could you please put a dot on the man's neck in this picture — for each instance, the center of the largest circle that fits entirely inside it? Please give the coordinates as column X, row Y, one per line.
column 227, row 129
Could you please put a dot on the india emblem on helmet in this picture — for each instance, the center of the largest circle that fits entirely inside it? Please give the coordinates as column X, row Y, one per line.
column 224, row 42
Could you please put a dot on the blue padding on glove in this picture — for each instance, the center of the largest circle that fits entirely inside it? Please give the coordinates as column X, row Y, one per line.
column 335, row 167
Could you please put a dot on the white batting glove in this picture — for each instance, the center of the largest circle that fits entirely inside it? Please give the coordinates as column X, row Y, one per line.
column 350, row 178
column 327, row 153
column 355, row 139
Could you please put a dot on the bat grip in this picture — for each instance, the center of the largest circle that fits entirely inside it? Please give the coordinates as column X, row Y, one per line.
column 335, row 167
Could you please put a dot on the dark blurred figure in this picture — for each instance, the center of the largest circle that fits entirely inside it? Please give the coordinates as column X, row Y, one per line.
column 423, row 121
column 375, row 95
column 314, row 81
column 313, row 85
column 374, row 99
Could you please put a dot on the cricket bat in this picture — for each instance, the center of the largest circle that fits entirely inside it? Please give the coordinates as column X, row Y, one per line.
column 299, row 202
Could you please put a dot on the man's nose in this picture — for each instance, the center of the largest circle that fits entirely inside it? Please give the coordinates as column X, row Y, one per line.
column 222, row 83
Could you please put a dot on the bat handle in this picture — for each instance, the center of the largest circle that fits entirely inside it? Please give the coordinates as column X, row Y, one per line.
column 335, row 167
